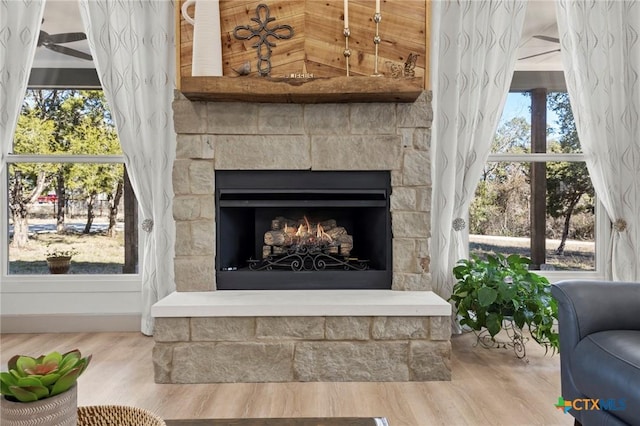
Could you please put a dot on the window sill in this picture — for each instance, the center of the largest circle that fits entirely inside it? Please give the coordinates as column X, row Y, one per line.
column 556, row 276
column 70, row 284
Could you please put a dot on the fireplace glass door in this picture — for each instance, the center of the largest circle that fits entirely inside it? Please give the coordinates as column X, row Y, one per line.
column 303, row 230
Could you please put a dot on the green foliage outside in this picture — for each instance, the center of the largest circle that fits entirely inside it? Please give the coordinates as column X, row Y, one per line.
column 569, row 188
column 488, row 291
column 67, row 122
column 501, row 206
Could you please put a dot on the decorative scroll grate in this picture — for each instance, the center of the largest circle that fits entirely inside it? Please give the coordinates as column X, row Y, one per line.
column 308, row 258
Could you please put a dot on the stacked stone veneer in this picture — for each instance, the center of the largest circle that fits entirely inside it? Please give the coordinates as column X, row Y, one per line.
column 260, row 136
column 287, row 349
column 252, row 136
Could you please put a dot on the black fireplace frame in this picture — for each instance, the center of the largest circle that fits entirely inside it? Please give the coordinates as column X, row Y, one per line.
column 252, row 193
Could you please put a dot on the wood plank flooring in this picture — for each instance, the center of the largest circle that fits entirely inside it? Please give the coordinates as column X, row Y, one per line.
column 489, row 387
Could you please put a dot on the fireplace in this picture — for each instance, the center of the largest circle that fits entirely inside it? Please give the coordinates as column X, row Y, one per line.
column 302, row 229
column 247, row 177
column 221, row 146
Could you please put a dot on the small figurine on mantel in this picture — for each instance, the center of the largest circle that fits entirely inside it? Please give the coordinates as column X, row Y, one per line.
column 245, row 69
column 408, row 70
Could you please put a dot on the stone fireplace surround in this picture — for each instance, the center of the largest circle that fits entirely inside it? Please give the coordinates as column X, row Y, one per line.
column 376, row 335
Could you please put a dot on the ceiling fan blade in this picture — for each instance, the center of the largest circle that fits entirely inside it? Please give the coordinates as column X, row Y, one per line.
column 66, row 37
column 547, row 38
column 539, row 54
column 68, row 51
column 43, row 38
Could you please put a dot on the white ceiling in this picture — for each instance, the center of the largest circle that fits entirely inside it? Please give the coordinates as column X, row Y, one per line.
column 63, row 16
column 540, row 20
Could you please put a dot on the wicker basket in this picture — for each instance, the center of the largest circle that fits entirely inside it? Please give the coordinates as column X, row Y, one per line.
column 59, row 264
column 116, row 415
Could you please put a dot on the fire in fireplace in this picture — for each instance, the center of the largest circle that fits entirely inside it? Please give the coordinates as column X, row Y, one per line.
column 303, row 230
column 303, row 245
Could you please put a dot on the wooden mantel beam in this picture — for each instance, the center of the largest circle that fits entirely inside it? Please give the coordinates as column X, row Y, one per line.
column 294, row 90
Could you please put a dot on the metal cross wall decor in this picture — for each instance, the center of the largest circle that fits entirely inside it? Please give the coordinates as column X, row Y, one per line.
column 263, row 45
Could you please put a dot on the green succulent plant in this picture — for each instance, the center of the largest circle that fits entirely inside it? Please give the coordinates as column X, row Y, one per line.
column 31, row 379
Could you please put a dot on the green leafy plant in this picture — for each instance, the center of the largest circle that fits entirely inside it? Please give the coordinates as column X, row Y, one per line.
column 488, row 291
column 31, row 379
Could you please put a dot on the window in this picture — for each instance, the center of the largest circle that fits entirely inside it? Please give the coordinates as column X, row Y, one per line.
column 535, row 197
column 66, row 187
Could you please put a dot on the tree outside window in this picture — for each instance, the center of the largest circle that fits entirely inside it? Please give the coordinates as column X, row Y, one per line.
column 500, row 216
column 66, row 183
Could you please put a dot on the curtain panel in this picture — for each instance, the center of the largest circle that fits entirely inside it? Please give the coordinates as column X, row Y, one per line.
column 600, row 42
column 133, row 49
column 473, row 57
column 20, row 22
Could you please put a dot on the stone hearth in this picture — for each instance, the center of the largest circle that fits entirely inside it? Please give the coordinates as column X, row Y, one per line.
column 302, row 335
column 398, row 345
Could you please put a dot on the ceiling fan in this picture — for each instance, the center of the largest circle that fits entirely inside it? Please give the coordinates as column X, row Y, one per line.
column 545, row 38
column 53, row 41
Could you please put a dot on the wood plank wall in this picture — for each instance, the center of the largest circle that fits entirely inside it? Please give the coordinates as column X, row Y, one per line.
column 317, row 45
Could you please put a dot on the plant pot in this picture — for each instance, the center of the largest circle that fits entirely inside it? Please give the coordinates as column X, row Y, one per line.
column 59, row 265
column 61, row 410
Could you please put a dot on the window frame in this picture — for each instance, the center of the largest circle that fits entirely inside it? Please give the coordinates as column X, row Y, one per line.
column 602, row 224
column 64, row 283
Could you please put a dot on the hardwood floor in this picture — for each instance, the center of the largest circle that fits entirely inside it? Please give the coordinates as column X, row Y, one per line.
column 489, row 387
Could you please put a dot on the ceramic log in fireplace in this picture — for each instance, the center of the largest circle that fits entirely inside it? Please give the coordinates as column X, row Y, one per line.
column 257, row 247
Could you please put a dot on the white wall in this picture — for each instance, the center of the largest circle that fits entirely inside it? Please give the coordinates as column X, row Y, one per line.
column 69, row 304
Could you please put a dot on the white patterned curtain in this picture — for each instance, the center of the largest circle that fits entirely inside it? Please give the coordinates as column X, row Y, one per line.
column 600, row 42
column 133, row 49
column 473, row 56
column 19, row 29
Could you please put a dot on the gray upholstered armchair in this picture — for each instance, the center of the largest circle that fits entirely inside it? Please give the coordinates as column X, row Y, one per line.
column 599, row 326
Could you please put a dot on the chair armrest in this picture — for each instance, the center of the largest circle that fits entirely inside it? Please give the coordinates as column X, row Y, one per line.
column 586, row 307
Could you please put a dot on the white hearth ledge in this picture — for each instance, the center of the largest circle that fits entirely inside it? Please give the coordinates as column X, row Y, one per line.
column 269, row 303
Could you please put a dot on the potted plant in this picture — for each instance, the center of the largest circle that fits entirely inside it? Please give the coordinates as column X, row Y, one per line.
column 59, row 259
column 501, row 293
column 41, row 390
